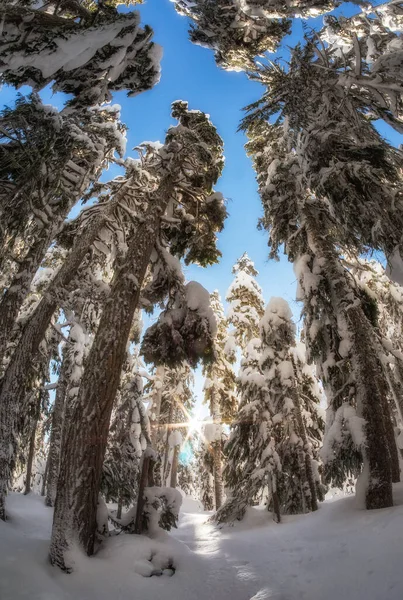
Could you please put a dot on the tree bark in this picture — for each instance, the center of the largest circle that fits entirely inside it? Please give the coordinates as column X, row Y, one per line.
column 169, row 428
column 31, row 454
column 15, row 295
column 83, row 455
column 366, row 366
column 156, row 407
column 216, row 450
column 20, row 369
column 275, row 500
column 174, row 467
column 308, row 472
column 55, row 442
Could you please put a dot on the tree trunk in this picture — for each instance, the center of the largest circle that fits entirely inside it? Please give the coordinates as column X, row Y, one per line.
column 120, row 506
column 20, row 369
column 31, row 454
column 83, row 455
column 366, row 366
column 156, row 407
column 32, row 439
column 275, row 500
column 174, row 467
column 55, row 442
column 169, row 428
column 308, row 472
column 391, row 440
column 15, row 295
column 216, row 450
column 146, row 469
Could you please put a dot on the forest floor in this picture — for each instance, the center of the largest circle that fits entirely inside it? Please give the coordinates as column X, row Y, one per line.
column 338, row 552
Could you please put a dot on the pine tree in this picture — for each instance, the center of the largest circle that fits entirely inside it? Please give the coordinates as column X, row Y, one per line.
column 343, row 159
column 365, row 51
column 194, row 150
column 219, row 394
column 42, row 48
column 339, row 336
column 205, row 477
column 238, row 32
column 63, row 155
column 246, row 305
column 296, row 486
column 102, row 225
column 246, row 473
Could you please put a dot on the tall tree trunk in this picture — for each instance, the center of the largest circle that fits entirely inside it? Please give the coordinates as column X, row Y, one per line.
column 216, row 449
column 308, row 472
column 174, row 467
column 31, row 454
column 17, row 376
column 366, row 367
column 83, row 455
column 169, row 429
column 391, row 440
column 45, row 478
column 15, row 295
column 55, row 441
column 32, row 440
column 156, row 407
column 275, row 500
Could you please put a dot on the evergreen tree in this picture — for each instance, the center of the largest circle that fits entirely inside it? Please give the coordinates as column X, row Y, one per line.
column 296, row 486
column 205, row 474
column 240, row 31
column 250, row 439
column 365, row 52
column 106, row 51
column 339, row 336
column 192, row 161
column 63, row 155
column 246, row 305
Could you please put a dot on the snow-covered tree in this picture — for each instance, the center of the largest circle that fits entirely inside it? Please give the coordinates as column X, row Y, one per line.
column 219, row 393
column 103, row 52
column 250, row 439
column 365, row 51
column 339, row 337
column 240, row 31
column 46, row 175
column 246, row 304
column 189, row 165
column 205, row 474
column 340, row 154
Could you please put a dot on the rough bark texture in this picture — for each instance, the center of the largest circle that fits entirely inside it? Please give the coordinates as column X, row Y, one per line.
column 55, row 441
column 308, row 472
column 174, row 467
column 83, row 454
column 275, row 502
column 391, row 440
column 15, row 295
column 366, row 368
column 216, row 451
column 169, row 429
column 17, row 376
column 31, row 454
column 143, row 483
column 156, row 408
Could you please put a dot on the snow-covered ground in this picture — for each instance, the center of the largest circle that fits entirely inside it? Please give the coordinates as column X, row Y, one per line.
column 338, row 552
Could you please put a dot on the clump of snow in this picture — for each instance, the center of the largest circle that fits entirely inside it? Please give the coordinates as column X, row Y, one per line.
column 212, row 432
column 175, row 438
column 198, row 299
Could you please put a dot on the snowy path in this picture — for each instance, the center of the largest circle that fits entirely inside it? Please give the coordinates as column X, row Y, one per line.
column 338, row 552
